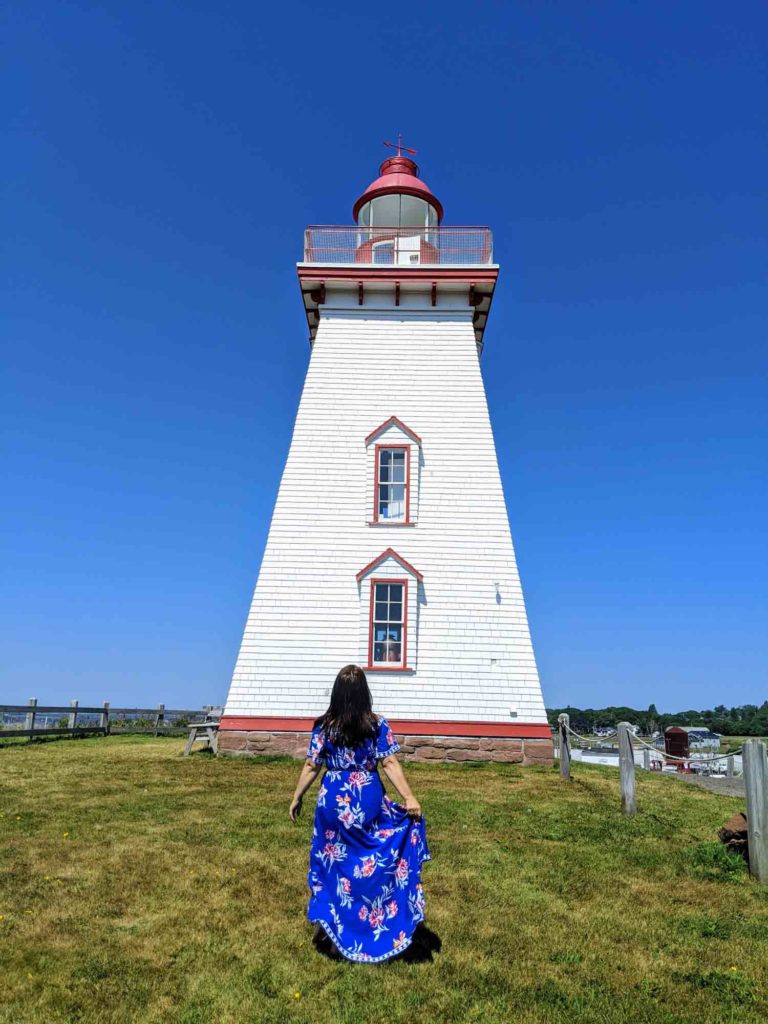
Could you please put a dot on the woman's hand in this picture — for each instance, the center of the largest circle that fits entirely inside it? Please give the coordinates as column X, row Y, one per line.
column 413, row 807
column 309, row 773
column 394, row 773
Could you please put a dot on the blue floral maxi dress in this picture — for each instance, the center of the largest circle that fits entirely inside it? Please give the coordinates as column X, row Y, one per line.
column 366, row 854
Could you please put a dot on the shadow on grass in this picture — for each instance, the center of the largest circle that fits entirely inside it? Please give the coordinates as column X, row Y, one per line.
column 424, row 945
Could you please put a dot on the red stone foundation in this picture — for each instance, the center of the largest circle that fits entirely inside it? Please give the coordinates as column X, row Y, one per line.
column 236, row 743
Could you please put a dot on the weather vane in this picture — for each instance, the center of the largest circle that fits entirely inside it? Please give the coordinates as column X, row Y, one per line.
column 399, row 145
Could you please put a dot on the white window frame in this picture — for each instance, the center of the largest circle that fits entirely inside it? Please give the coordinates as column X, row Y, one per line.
column 405, row 483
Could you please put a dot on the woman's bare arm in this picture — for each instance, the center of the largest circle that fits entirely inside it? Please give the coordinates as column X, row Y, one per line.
column 396, row 776
column 309, row 773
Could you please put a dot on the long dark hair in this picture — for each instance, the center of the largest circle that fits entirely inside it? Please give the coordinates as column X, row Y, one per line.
column 349, row 720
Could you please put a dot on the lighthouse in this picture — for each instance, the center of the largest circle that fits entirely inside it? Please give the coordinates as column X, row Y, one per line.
column 389, row 544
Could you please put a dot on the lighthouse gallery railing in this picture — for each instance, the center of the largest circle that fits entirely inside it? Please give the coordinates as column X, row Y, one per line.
column 402, row 246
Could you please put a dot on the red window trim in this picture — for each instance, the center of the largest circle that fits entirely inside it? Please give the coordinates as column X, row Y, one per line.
column 404, row 670
column 404, row 643
column 392, row 447
column 383, row 522
column 389, row 553
column 393, row 421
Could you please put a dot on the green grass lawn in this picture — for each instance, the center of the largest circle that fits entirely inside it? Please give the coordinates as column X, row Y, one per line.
column 136, row 885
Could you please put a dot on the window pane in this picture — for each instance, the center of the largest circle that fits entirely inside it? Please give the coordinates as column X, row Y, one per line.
column 397, row 492
column 384, row 472
column 379, row 652
column 398, row 473
column 394, row 633
column 395, row 613
column 397, row 506
column 393, row 653
column 385, row 211
column 380, row 633
column 381, row 615
column 384, row 252
column 382, row 591
column 395, row 592
column 413, row 212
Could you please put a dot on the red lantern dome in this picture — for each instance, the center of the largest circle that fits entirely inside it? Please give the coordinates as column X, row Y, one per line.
column 398, row 198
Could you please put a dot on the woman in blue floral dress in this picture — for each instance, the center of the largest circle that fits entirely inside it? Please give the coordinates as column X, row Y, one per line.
column 366, row 853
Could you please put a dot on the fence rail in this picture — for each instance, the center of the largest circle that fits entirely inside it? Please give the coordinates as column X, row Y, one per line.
column 86, row 720
column 398, row 246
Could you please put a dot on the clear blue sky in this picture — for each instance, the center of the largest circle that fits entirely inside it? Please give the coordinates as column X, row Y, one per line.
column 161, row 164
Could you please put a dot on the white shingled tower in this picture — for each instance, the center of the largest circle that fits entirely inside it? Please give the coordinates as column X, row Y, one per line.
column 389, row 544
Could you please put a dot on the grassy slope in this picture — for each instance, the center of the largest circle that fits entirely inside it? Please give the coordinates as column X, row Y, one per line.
column 139, row 886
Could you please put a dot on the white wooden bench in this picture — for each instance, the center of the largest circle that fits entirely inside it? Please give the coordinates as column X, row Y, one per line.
column 207, row 731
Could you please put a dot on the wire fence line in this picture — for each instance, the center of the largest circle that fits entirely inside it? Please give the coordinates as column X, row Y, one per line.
column 587, row 739
column 755, row 762
column 699, row 759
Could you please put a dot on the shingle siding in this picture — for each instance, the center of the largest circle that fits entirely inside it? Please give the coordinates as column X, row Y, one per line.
column 309, row 615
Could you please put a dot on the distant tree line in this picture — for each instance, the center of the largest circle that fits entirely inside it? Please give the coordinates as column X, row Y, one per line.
column 746, row 720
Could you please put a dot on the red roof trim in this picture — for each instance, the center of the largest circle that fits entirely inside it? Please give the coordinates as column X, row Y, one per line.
column 405, row 727
column 368, row 274
column 389, row 553
column 389, row 423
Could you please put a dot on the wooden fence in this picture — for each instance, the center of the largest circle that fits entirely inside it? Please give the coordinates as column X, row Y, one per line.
column 755, row 760
column 97, row 721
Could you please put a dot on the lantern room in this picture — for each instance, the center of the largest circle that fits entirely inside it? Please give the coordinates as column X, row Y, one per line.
column 395, row 215
column 397, row 251
column 398, row 198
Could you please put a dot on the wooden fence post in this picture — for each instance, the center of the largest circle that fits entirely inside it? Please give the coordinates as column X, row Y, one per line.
column 646, row 759
column 729, row 770
column 626, row 769
column 104, row 720
column 30, row 719
column 756, row 786
column 159, row 717
column 564, row 722
column 72, row 721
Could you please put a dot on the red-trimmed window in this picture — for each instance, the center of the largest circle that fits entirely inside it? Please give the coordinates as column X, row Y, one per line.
column 392, row 484
column 389, row 624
